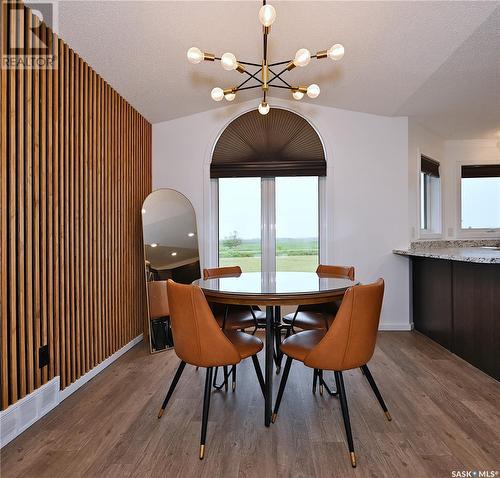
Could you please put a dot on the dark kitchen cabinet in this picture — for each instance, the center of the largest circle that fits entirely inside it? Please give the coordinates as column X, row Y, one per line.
column 457, row 304
column 432, row 299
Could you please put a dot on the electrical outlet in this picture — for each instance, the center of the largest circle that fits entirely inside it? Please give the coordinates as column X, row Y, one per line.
column 43, row 356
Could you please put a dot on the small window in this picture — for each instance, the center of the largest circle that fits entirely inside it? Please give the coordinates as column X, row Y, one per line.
column 430, row 196
column 480, row 197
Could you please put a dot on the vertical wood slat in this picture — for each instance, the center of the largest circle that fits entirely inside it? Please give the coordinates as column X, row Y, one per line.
column 56, row 211
column 76, row 166
column 50, row 213
column 43, row 205
column 36, row 218
column 13, row 301
column 62, row 215
column 88, row 297
column 21, row 325
column 28, row 187
column 4, row 289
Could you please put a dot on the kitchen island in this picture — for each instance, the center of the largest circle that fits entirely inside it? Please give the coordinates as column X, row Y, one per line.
column 456, row 298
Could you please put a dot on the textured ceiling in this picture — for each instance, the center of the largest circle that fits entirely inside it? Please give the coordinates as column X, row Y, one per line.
column 437, row 61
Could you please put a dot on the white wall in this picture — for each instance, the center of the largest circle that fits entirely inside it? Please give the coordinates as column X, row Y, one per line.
column 420, row 141
column 457, row 153
column 366, row 187
column 450, row 154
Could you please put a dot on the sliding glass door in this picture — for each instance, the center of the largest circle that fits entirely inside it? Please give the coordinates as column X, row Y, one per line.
column 240, row 223
column 297, row 223
column 269, row 223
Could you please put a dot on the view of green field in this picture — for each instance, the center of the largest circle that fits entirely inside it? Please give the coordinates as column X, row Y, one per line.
column 293, row 254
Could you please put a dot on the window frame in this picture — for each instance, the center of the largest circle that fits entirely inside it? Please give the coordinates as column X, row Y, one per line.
column 268, row 223
column 471, row 233
column 429, row 233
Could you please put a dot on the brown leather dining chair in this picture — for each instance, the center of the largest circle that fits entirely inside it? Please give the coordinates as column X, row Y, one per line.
column 318, row 316
column 157, row 304
column 199, row 341
column 232, row 317
column 349, row 343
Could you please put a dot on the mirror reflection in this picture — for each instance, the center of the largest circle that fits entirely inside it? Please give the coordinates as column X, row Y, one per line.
column 170, row 252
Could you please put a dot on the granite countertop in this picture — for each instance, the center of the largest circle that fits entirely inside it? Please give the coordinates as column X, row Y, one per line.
column 465, row 251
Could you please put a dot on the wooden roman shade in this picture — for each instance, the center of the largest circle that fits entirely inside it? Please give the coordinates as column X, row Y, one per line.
column 429, row 166
column 481, row 171
column 280, row 143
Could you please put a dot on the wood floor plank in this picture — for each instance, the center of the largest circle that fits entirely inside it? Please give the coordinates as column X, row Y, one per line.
column 109, row 427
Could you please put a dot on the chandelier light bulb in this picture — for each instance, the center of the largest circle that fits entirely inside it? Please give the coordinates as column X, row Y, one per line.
column 264, row 108
column 267, row 15
column 336, row 52
column 230, row 96
column 194, row 55
column 302, row 57
column 217, row 94
column 298, row 95
column 313, row 91
column 228, row 61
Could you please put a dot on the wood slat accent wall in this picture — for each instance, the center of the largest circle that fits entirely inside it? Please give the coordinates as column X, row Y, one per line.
column 76, row 167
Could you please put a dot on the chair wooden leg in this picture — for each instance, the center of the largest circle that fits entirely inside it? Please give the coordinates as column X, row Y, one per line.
column 258, row 371
column 371, row 381
column 320, row 373
column 206, row 407
column 234, row 378
column 284, row 378
column 345, row 415
column 176, row 378
column 315, row 379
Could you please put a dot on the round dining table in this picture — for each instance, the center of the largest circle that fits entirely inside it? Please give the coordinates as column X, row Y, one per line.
column 272, row 290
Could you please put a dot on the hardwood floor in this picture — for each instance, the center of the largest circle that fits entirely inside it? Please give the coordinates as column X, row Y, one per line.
column 445, row 417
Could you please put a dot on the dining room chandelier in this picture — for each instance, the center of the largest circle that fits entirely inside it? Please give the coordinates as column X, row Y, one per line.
column 268, row 76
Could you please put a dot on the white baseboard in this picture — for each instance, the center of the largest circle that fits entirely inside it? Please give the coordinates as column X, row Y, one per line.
column 395, row 326
column 22, row 414
column 73, row 387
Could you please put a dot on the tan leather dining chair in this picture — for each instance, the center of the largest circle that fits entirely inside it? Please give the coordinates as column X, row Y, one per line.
column 199, row 341
column 157, row 308
column 318, row 316
column 232, row 317
column 237, row 317
column 349, row 343
column 158, row 299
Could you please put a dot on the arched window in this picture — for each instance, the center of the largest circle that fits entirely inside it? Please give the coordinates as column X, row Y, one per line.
column 267, row 171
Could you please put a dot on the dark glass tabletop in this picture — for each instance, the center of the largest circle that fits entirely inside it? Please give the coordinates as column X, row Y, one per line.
column 275, row 283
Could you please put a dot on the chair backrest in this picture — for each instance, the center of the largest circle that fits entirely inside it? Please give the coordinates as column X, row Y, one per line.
column 350, row 341
column 222, row 272
column 342, row 272
column 198, row 340
column 158, row 299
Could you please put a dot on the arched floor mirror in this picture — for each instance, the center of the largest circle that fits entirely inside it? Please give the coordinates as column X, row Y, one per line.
column 170, row 252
